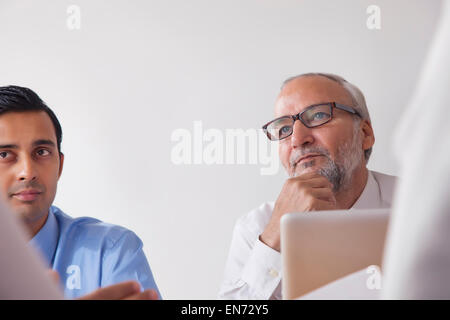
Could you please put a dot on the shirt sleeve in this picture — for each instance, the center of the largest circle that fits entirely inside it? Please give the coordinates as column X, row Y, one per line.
column 125, row 261
column 253, row 269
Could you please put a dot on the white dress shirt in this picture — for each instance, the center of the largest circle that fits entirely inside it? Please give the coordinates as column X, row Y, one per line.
column 253, row 269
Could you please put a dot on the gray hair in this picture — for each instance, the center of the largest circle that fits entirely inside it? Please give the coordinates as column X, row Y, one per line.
column 359, row 102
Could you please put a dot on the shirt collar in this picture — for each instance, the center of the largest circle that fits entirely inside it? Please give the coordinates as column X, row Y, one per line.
column 370, row 198
column 46, row 239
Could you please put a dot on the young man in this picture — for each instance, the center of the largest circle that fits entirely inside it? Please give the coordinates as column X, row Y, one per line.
column 86, row 252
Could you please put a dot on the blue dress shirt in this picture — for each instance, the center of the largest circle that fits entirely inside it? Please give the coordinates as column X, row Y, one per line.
column 89, row 254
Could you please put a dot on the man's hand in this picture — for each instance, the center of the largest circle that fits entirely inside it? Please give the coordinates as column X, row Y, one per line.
column 128, row 290
column 308, row 192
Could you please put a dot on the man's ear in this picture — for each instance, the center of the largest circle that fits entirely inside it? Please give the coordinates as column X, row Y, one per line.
column 368, row 136
column 61, row 164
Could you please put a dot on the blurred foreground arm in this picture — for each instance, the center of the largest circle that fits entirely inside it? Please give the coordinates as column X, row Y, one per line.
column 417, row 257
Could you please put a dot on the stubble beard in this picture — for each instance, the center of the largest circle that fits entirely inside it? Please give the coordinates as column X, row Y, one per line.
column 340, row 171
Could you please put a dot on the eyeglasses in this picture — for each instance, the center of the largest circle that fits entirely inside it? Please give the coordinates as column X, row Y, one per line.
column 313, row 116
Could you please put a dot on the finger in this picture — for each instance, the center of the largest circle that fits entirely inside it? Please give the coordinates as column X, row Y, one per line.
column 114, row 292
column 316, row 181
column 145, row 295
column 322, row 205
column 323, row 194
column 309, row 175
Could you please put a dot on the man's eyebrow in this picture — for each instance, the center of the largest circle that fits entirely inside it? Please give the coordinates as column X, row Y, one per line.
column 9, row 146
column 43, row 142
column 36, row 143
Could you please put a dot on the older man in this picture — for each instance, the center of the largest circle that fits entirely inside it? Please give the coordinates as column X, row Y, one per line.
column 325, row 154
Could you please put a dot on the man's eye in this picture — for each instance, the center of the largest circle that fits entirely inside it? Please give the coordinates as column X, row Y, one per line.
column 285, row 129
column 43, row 152
column 320, row 116
column 4, row 154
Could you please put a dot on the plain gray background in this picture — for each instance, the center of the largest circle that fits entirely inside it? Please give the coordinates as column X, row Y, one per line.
column 138, row 70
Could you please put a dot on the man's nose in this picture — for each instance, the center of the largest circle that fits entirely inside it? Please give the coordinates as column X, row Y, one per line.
column 301, row 135
column 26, row 169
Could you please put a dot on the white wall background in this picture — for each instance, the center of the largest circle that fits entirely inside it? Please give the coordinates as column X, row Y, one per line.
column 138, row 70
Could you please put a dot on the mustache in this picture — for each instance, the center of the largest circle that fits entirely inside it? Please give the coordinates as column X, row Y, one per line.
column 26, row 185
column 296, row 154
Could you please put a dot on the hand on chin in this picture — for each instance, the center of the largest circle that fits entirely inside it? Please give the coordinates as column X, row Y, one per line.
column 306, row 167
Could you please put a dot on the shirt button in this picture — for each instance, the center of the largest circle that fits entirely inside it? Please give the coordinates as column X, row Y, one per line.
column 273, row 273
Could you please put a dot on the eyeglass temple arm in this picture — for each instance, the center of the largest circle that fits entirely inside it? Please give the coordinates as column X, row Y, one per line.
column 348, row 109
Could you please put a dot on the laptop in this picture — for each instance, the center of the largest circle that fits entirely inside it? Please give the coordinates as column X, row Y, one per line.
column 322, row 247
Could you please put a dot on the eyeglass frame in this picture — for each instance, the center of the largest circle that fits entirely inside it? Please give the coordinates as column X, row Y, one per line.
column 298, row 116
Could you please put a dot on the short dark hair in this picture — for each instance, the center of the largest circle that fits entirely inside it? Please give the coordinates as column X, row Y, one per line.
column 21, row 99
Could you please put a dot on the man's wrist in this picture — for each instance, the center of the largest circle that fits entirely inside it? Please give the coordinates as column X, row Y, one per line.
column 269, row 241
